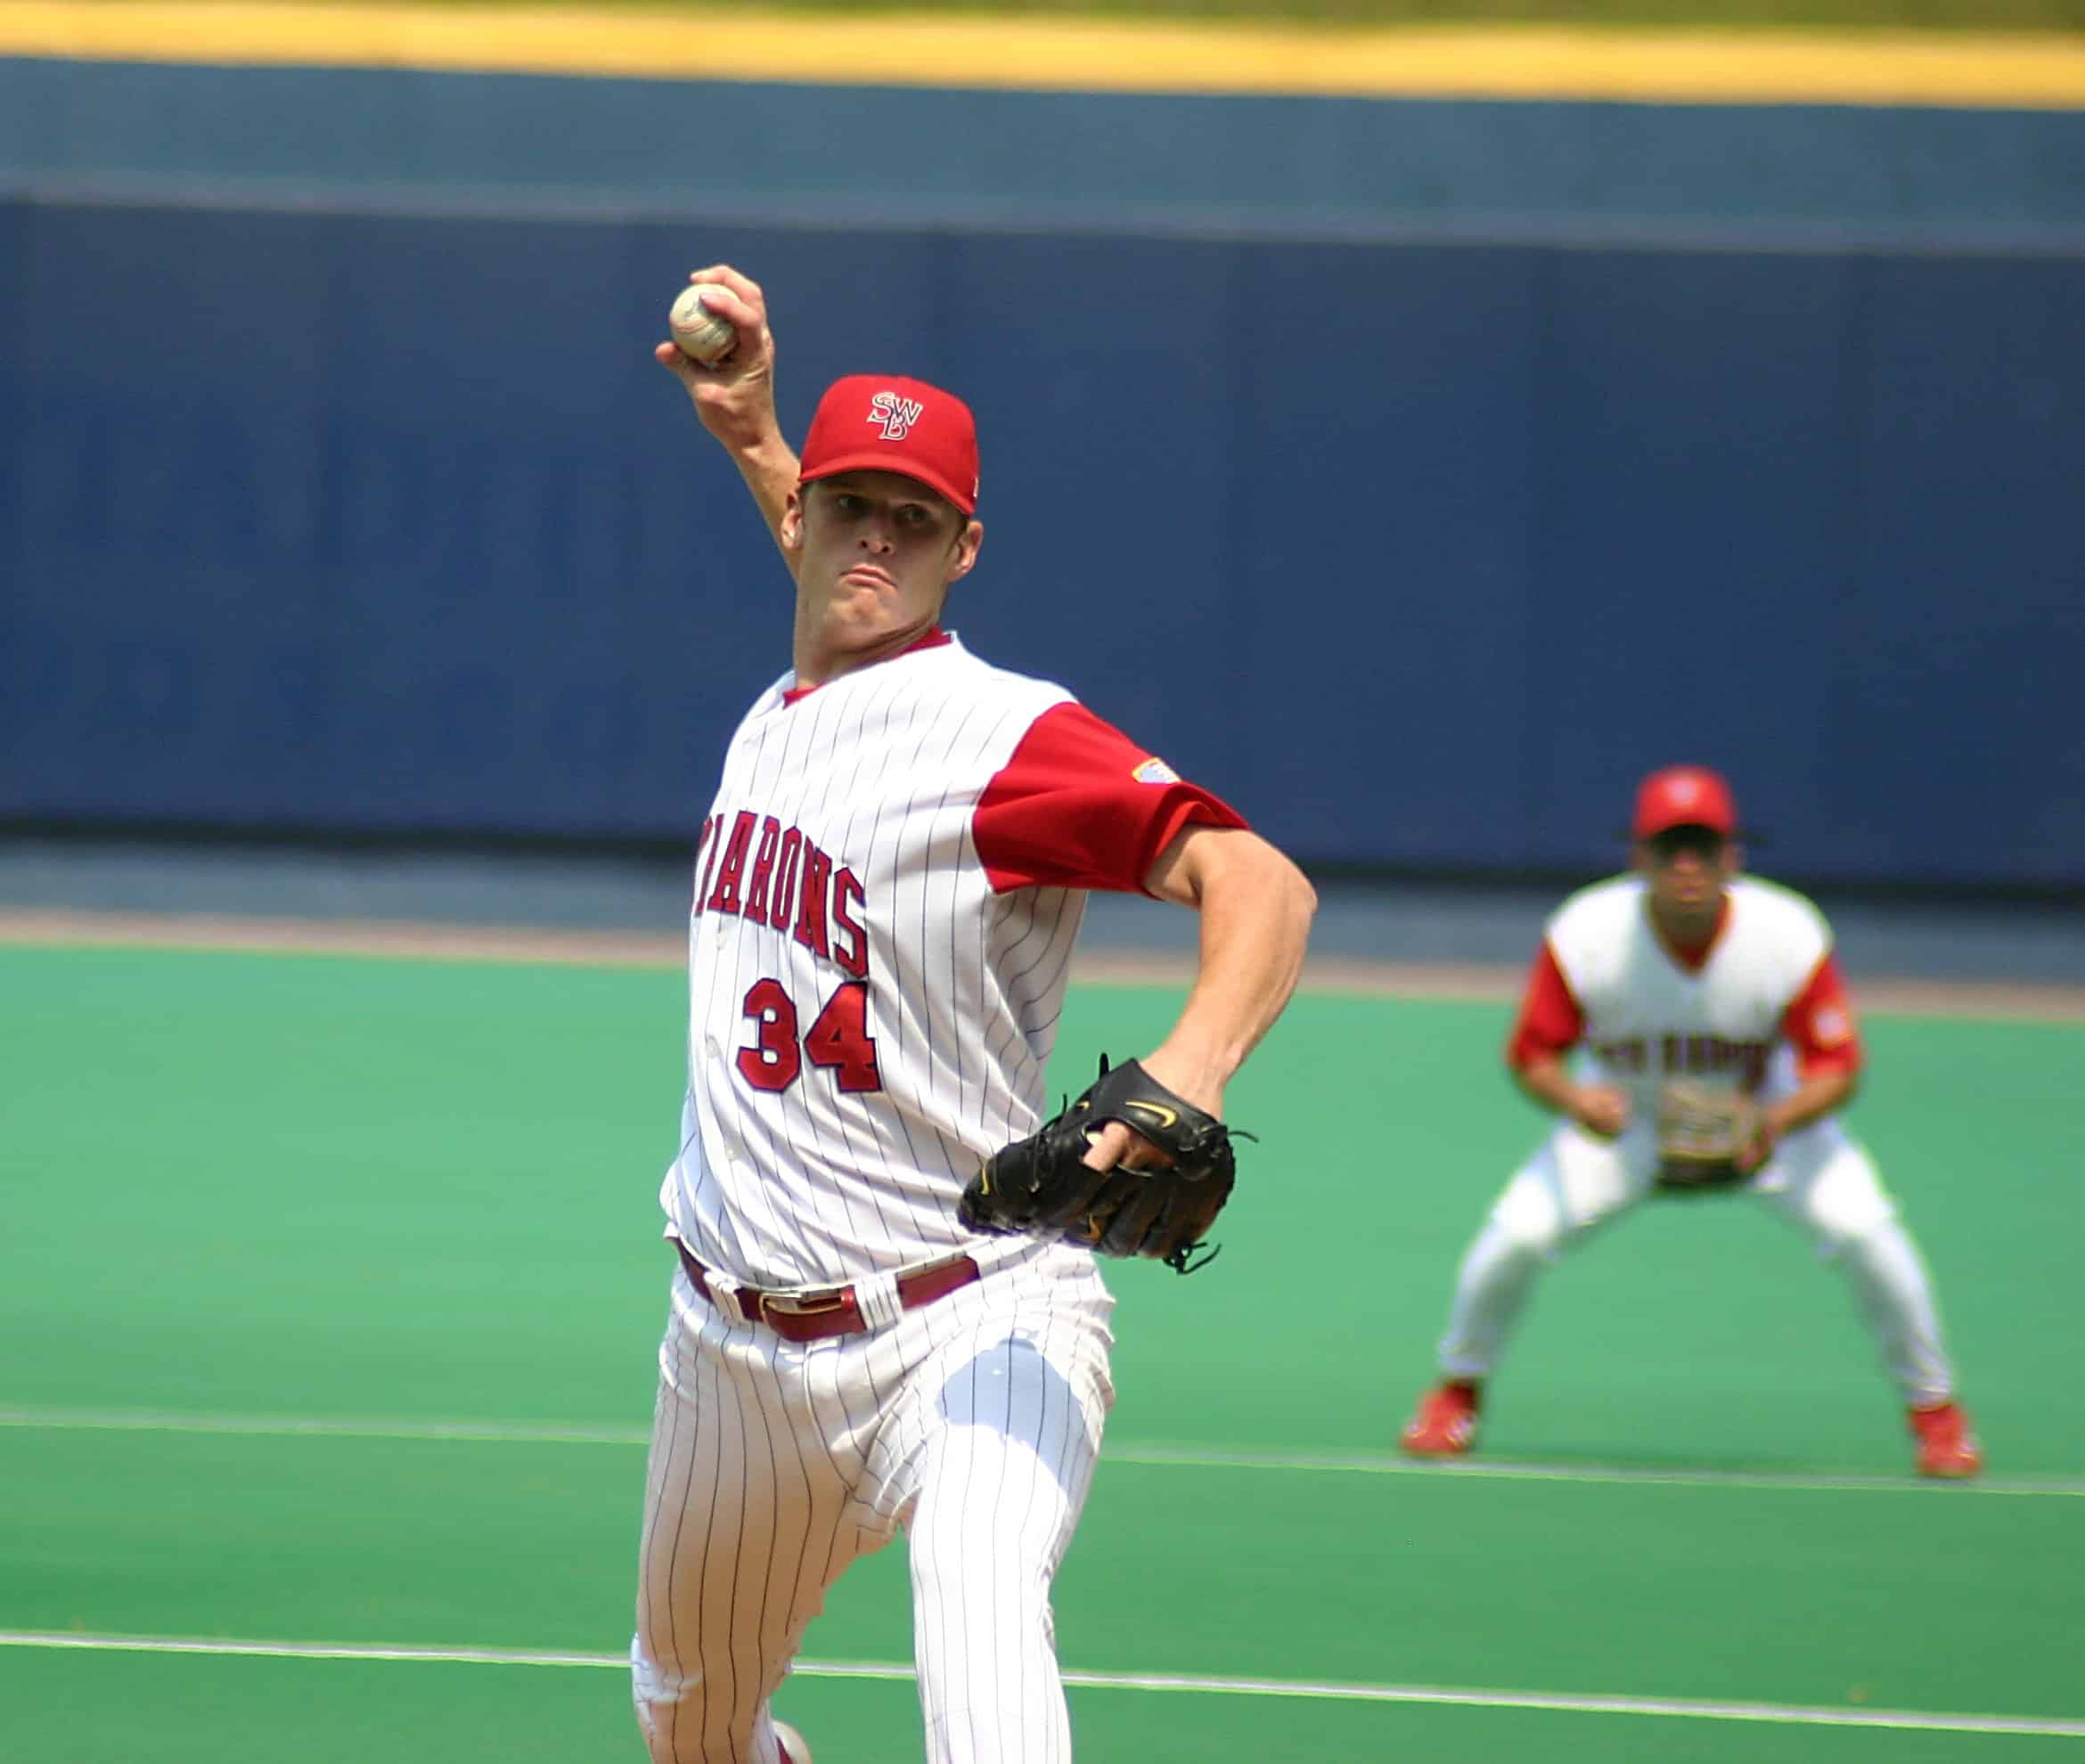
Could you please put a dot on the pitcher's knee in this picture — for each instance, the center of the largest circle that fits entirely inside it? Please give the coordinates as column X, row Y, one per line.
column 680, row 1722
column 656, row 1695
column 1010, row 1573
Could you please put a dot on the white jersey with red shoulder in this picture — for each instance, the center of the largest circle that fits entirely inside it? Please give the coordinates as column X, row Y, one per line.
column 1760, row 1005
column 888, row 889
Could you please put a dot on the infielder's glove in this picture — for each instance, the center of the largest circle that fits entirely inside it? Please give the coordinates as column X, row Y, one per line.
column 1702, row 1129
column 1042, row 1185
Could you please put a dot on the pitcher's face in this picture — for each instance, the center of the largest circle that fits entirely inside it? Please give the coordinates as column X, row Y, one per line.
column 877, row 553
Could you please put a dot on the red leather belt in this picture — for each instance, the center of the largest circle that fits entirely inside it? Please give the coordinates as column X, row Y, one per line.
column 817, row 1315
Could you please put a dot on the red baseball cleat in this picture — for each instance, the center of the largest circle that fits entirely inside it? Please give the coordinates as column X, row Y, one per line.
column 793, row 1749
column 1445, row 1424
column 1946, row 1446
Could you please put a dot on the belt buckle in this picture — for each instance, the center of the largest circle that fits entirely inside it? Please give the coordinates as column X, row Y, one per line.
column 805, row 1303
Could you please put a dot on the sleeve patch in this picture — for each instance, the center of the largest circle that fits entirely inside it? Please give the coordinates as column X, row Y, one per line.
column 1078, row 805
column 1830, row 1027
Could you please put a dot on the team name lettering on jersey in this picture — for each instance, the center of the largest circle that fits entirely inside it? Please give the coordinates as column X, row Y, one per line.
column 1695, row 1055
column 774, row 876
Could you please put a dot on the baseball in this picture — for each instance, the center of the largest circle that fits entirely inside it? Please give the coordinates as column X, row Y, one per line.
column 703, row 336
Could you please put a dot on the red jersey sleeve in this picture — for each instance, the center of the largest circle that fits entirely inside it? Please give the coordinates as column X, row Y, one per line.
column 1819, row 1024
column 1080, row 805
column 1551, row 1019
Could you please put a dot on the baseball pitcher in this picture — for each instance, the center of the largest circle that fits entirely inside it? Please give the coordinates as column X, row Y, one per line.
column 886, row 1315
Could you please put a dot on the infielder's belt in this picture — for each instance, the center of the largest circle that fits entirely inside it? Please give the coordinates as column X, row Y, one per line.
column 812, row 1314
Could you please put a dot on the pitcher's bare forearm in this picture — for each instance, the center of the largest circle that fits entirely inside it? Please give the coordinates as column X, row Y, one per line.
column 769, row 466
column 1255, row 909
column 734, row 397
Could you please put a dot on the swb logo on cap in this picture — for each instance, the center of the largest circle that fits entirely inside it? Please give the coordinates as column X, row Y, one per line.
column 894, row 415
column 885, row 422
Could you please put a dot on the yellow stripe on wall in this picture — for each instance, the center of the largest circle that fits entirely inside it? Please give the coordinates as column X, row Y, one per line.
column 857, row 49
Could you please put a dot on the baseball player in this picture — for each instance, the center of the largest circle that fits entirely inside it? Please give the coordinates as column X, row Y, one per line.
column 888, row 887
column 1690, row 1027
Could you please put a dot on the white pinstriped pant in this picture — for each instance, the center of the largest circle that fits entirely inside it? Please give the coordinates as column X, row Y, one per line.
column 973, row 1423
column 1818, row 1179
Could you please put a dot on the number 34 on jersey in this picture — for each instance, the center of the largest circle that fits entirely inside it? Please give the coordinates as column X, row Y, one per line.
column 773, row 875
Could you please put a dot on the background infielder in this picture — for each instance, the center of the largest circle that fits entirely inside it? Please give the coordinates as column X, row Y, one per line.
column 888, row 889
column 1714, row 1046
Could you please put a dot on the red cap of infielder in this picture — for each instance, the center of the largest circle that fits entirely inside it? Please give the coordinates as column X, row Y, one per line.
column 1683, row 795
column 883, row 422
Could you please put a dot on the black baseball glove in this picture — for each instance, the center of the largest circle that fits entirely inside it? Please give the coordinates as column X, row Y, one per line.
column 1041, row 1186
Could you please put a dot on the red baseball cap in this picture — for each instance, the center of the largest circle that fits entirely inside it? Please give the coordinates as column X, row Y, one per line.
column 884, row 422
column 1683, row 795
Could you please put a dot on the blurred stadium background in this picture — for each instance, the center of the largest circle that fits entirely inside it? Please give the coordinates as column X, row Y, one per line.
column 1414, row 422
column 1417, row 469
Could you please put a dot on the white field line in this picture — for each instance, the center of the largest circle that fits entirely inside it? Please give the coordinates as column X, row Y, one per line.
column 1151, row 1453
column 1096, row 966
column 1368, row 1464
column 1790, row 1714
column 295, row 1426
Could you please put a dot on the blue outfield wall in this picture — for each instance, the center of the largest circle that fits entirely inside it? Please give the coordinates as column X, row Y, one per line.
column 1267, row 165
column 1415, row 471
column 1419, row 551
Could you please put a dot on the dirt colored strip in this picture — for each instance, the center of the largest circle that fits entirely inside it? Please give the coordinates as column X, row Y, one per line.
column 344, row 936
column 1465, row 982
column 2044, row 69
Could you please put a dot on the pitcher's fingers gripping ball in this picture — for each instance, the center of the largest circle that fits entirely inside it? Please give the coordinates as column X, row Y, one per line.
column 1043, row 1187
column 701, row 334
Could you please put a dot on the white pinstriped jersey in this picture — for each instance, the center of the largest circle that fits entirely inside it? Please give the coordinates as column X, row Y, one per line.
column 887, row 889
column 1647, row 1017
